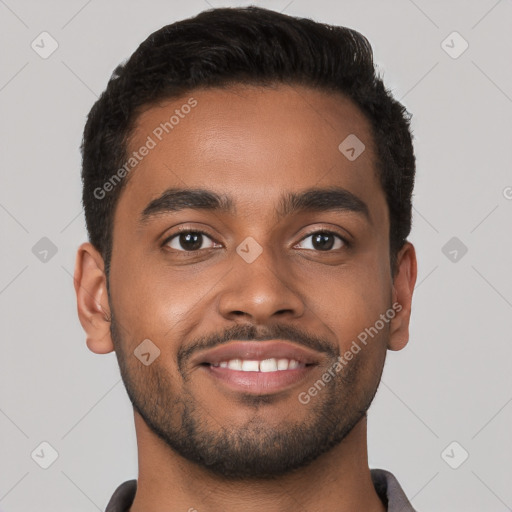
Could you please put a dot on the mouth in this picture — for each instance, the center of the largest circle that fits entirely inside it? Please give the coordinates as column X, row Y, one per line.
column 262, row 367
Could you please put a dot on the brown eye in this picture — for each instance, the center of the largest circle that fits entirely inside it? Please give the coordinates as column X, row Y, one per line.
column 324, row 241
column 189, row 241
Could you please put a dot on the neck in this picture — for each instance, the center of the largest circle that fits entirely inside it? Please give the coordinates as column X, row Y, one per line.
column 339, row 480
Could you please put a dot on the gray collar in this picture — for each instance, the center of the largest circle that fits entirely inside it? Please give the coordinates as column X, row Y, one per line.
column 390, row 492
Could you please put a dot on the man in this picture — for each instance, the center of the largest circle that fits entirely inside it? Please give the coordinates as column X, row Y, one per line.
column 247, row 191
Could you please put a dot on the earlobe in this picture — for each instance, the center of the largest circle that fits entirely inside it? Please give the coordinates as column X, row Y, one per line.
column 92, row 299
column 403, row 287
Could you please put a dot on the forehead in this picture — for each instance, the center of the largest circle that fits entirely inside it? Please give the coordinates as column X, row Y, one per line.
column 251, row 143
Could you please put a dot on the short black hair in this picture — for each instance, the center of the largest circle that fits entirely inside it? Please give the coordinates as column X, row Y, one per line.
column 252, row 46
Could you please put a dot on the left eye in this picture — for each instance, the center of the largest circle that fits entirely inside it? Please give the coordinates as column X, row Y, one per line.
column 324, row 241
column 189, row 241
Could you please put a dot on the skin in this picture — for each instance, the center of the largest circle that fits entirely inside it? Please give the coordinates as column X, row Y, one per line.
column 253, row 144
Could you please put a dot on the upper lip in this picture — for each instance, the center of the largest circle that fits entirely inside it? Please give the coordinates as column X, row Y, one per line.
column 257, row 350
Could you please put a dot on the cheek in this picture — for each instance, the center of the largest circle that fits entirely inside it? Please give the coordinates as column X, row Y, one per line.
column 347, row 299
column 161, row 303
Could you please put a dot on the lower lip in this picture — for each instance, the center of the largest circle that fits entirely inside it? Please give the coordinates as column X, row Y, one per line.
column 259, row 383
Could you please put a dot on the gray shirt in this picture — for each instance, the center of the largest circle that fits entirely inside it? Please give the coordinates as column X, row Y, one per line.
column 385, row 484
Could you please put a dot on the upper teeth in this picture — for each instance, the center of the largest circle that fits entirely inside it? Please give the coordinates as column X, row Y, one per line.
column 267, row 365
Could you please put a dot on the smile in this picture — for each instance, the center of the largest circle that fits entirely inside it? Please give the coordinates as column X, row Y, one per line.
column 258, row 367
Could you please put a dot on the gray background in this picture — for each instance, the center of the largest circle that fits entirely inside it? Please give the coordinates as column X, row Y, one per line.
column 453, row 380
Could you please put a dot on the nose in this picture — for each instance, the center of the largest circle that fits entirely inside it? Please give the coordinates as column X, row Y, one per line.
column 260, row 291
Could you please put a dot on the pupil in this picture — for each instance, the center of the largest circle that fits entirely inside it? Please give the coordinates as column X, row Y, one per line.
column 191, row 241
column 321, row 241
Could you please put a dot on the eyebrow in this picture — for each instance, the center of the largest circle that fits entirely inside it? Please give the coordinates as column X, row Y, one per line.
column 309, row 200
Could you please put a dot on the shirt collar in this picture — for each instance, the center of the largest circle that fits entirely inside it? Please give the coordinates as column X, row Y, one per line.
column 390, row 492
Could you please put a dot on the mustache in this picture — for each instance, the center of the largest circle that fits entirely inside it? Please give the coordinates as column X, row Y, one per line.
column 249, row 332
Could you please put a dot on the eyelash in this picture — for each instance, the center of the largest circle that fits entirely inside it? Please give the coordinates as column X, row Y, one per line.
column 346, row 243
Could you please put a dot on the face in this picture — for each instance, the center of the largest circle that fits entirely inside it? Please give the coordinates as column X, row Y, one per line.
column 245, row 235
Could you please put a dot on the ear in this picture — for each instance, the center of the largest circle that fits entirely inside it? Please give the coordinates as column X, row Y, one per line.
column 92, row 299
column 403, row 287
